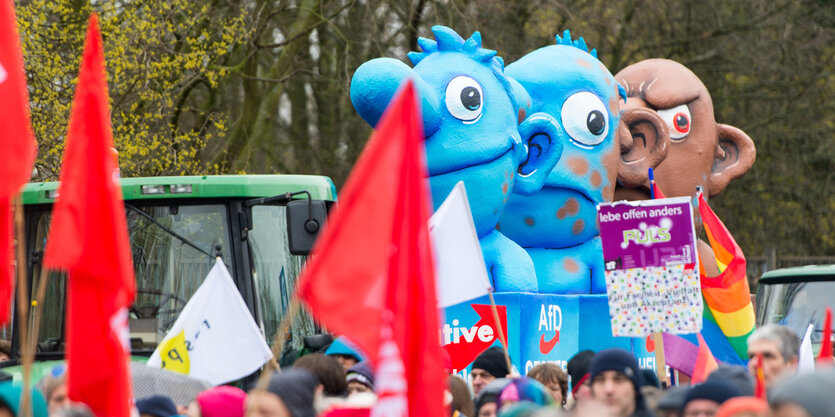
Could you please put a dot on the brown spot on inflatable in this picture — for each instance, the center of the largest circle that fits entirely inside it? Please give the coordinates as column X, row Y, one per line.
column 570, row 266
column 583, row 63
column 529, row 221
column 596, row 179
column 578, row 227
column 521, row 116
column 579, row 166
column 504, row 188
column 570, row 208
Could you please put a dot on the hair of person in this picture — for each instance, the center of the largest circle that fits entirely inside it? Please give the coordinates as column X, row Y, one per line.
column 548, row 373
column 785, row 338
column 462, row 401
column 328, row 370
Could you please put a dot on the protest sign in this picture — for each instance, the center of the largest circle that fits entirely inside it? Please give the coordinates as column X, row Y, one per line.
column 650, row 258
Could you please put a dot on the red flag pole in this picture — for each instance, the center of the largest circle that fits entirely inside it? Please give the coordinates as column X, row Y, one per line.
column 658, row 337
column 825, row 356
column 502, row 338
column 25, row 409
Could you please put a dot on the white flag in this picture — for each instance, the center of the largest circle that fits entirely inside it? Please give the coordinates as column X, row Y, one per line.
column 806, row 360
column 215, row 338
column 459, row 263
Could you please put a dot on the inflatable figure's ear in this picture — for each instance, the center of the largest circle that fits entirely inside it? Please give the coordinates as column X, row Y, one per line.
column 543, row 139
column 735, row 154
column 644, row 141
column 376, row 82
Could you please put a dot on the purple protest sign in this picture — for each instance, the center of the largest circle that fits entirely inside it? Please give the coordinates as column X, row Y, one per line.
column 652, row 279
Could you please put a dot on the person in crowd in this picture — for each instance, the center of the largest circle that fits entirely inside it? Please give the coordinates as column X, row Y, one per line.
column 10, row 400
column 360, row 378
column 487, row 367
column 220, row 401
column 460, row 401
column 670, row 402
column 736, row 375
column 524, row 390
column 54, row 388
column 553, row 378
column 779, row 347
column 156, row 406
column 73, row 410
column 744, row 407
column 810, row 394
column 704, row 400
column 327, row 370
column 488, row 396
column 5, row 350
column 578, row 370
column 289, row 393
column 344, row 352
column 616, row 382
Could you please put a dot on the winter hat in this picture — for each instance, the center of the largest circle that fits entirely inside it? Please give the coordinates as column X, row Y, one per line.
column 10, row 395
column 492, row 360
column 520, row 409
column 650, row 378
column 741, row 405
column 222, row 401
column 578, row 367
column 737, row 376
column 524, row 389
column 343, row 346
column 811, row 391
column 620, row 360
column 295, row 387
column 361, row 372
column 717, row 390
column 157, row 405
column 673, row 398
column 490, row 393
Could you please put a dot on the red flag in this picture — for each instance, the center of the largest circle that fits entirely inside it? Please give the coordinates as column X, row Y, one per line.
column 89, row 238
column 759, row 387
column 705, row 363
column 17, row 144
column 373, row 278
column 825, row 357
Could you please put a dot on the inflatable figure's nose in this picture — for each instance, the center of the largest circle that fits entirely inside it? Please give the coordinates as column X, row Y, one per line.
column 375, row 83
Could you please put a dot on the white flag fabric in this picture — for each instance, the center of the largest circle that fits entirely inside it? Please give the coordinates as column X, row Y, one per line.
column 215, row 337
column 459, row 263
column 806, row 359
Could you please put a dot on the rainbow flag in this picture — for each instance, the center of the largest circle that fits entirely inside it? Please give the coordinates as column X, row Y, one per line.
column 727, row 296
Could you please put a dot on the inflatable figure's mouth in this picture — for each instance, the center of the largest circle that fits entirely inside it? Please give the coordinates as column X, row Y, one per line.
column 437, row 171
column 632, row 194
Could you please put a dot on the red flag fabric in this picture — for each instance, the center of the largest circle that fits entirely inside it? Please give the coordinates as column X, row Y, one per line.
column 705, row 363
column 372, row 278
column 759, row 387
column 17, row 144
column 825, row 356
column 88, row 237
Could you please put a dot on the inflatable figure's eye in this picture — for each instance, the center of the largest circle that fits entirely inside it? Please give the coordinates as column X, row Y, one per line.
column 585, row 118
column 678, row 120
column 464, row 99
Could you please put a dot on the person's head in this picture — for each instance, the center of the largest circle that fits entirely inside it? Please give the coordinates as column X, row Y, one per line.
column 553, row 378
column 5, row 350
column 221, row 401
column 10, row 393
column 488, row 366
column 345, row 353
column 156, row 406
column 615, row 381
column 461, row 400
column 328, row 370
column 289, row 394
column 736, row 375
column 54, row 388
column 485, row 401
column 804, row 395
column 704, row 400
column 670, row 402
column 779, row 347
column 744, row 407
column 524, row 389
column 73, row 410
column 360, row 378
column 578, row 370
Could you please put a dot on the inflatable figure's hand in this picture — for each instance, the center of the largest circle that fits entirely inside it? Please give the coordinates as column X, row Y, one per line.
column 509, row 266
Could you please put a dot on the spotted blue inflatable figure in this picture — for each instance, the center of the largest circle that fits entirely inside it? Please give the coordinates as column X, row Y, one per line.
column 557, row 225
column 477, row 131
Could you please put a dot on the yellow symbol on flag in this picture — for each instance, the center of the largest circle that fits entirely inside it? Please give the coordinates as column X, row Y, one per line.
column 174, row 354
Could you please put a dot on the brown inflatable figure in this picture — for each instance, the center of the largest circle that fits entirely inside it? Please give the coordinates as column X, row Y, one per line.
column 702, row 152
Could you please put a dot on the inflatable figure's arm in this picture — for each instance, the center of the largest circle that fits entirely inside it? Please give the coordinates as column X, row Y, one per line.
column 596, row 267
column 509, row 266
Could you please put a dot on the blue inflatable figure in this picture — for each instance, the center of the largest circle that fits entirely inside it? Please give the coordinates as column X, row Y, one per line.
column 603, row 147
column 477, row 130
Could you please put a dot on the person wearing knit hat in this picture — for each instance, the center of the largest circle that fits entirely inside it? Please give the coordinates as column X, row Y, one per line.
column 744, row 407
column 706, row 398
column 671, row 401
column 360, row 378
column 289, row 393
column 220, row 401
column 804, row 395
column 578, row 370
column 737, row 376
column 616, row 382
column 488, row 366
column 157, row 406
column 345, row 352
column 485, row 403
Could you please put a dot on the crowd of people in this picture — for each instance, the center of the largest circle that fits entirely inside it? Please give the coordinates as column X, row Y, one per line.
column 337, row 382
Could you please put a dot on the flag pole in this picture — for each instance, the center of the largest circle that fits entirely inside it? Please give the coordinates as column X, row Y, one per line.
column 500, row 329
column 660, row 361
column 23, row 311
